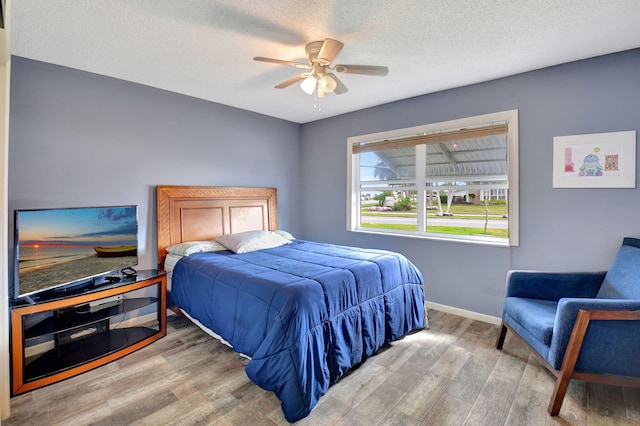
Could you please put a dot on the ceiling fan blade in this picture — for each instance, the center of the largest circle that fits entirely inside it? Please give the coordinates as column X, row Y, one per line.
column 282, row 62
column 292, row 80
column 362, row 69
column 329, row 50
column 340, row 87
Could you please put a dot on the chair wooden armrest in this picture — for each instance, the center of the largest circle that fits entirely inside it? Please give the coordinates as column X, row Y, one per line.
column 567, row 372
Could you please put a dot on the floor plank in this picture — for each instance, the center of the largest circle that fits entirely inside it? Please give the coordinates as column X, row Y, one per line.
column 450, row 374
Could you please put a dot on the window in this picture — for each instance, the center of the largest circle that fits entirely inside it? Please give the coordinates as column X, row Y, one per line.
column 451, row 180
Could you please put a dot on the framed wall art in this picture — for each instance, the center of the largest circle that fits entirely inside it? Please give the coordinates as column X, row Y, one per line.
column 598, row 160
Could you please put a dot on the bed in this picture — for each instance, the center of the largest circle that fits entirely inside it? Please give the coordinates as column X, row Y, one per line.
column 303, row 312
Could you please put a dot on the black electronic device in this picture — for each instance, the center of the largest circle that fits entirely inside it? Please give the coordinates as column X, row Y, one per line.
column 128, row 272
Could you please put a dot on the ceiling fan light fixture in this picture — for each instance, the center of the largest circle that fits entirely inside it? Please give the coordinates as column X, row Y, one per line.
column 328, row 83
column 308, row 85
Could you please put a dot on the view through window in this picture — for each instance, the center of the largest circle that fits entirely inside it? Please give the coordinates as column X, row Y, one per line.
column 451, row 180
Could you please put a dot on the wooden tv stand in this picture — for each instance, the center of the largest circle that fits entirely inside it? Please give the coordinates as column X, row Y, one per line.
column 64, row 336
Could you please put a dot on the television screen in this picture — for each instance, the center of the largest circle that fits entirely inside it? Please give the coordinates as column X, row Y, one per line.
column 59, row 247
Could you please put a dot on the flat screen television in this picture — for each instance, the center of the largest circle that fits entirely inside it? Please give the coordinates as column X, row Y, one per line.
column 61, row 248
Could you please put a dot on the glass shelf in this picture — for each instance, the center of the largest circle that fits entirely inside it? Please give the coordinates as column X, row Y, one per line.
column 67, row 319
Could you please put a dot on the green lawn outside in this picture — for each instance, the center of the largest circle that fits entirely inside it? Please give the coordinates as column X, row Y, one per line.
column 459, row 210
column 458, row 230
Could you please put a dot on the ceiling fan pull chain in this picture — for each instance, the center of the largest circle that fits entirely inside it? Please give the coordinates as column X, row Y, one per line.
column 315, row 100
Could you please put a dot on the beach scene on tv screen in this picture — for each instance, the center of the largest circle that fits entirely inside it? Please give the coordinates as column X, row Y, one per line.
column 59, row 246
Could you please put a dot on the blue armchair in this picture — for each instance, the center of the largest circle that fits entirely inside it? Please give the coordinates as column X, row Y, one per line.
column 583, row 326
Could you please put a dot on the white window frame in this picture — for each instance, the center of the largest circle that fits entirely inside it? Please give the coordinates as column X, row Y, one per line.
column 353, row 178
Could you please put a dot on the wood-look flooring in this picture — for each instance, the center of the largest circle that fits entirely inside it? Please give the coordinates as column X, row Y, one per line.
column 450, row 374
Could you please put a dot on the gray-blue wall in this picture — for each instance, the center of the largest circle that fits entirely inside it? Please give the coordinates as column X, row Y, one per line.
column 81, row 139
column 560, row 229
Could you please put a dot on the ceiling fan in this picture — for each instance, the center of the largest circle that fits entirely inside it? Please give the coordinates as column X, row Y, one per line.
column 319, row 77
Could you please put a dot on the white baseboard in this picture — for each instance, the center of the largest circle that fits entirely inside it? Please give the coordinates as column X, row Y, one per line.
column 140, row 321
column 40, row 348
column 464, row 313
column 150, row 318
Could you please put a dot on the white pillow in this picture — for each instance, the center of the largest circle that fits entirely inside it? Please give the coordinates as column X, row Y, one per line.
column 190, row 247
column 244, row 242
column 284, row 234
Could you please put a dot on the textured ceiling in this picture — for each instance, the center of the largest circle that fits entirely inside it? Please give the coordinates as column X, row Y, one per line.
column 204, row 48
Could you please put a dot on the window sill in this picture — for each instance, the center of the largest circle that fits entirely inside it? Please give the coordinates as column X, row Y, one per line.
column 484, row 241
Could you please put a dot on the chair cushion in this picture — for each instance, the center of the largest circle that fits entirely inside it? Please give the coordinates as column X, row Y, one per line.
column 623, row 278
column 535, row 315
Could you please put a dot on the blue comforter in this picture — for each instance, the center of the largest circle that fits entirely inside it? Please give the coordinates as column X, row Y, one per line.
column 305, row 312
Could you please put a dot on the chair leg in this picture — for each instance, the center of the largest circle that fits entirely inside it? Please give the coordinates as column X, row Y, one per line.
column 569, row 361
column 501, row 336
column 559, row 391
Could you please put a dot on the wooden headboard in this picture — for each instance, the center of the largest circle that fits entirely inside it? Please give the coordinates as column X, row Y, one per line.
column 196, row 213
